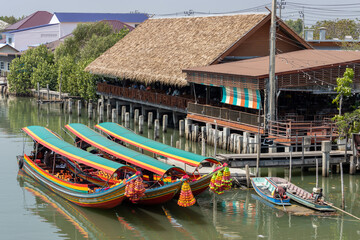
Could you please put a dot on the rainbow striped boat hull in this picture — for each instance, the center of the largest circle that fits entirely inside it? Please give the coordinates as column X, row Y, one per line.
column 73, row 192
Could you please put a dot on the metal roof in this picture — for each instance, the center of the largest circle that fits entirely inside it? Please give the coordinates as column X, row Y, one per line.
column 94, row 17
column 285, row 63
column 25, row 29
column 35, row 19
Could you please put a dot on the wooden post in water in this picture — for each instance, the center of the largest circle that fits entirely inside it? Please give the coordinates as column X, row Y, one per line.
column 215, row 138
column 258, row 151
column 165, row 122
column 247, row 176
column 48, row 91
column 325, row 148
column 123, row 111
column 178, row 144
column 136, row 116
column 150, row 120
column 290, row 164
column 114, row 115
column 181, row 128
column 203, row 145
column 352, row 169
column 127, row 119
column 317, row 172
column 90, row 110
column 342, row 187
column 38, row 90
column 108, row 111
column 141, row 124
column 70, row 105
column 171, row 140
column 79, row 107
column 101, row 112
column 156, row 128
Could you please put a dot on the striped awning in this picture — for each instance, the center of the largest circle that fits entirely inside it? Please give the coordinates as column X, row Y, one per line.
column 243, row 97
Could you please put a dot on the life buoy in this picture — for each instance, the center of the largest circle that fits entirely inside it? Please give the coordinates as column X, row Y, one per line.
column 21, row 163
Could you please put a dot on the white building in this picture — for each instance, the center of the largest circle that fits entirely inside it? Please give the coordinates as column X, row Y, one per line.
column 24, row 38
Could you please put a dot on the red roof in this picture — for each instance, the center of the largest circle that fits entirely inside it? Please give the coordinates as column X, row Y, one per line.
column 285, row 63
column 36, row 19
column 118, row 25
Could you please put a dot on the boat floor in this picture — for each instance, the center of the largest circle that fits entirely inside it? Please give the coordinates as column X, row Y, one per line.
column 298, row 210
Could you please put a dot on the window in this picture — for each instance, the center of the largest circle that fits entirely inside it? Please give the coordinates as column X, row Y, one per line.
column 8, row 66
column 2, row 65
column 9, row 40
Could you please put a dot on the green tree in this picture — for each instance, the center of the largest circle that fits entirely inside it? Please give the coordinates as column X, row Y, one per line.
column 11, row 19
column 65, row 67
column 338, row 28
column 45, row 73
column 296, row 25
column 21, row 69
column 344, row 86
column 348, row 123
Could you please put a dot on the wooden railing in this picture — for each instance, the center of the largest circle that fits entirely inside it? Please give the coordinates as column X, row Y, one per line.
column 295, row 130
column 144, row 96
column 226, row 114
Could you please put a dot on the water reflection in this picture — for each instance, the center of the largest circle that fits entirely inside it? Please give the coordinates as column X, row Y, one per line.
column 233, row 215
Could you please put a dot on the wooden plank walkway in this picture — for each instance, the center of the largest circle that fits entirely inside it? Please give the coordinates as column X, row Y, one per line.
column 281, row 159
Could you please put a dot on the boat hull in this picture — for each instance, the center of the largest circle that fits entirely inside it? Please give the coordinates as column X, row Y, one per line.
column 161, row 194
column 107, row 199
column 276, row 201
column 293, row 189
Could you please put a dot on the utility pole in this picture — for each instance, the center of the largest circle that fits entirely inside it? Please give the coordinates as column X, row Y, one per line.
column 302, row 15
column 281, row 5
column 272, row 83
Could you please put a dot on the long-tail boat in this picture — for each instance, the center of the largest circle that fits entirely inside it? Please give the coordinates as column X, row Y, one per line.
column 47, row 164
column 198, row 183
column 160, row 188
column 301, row 196
column 267, row 190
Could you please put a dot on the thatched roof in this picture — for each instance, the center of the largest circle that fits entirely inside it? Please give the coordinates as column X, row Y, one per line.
column 159, row 49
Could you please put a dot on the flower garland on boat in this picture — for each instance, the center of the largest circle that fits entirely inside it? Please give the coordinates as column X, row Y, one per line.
column 220, row 181
column 186, row 198
column 135, row 189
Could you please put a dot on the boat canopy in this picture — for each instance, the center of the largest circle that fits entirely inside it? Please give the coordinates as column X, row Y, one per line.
column 97, row 140
column 121, row 133
column 48, row 139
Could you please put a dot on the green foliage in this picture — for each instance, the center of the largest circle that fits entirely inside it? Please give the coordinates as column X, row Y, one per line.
column 66, row 66
column 348, row 123
column 11, row 19
column 296, row 25
column 21, row 70
column 344, row 86
column 99, row 44
column 338, row 28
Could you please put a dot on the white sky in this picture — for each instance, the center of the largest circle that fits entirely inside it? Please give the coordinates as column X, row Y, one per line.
column 323, row 10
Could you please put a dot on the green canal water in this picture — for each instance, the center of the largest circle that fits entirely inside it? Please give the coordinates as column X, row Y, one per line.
column 29, row 211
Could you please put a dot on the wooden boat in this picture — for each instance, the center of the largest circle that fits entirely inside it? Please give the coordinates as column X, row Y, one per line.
column 300, row 196
column 266, row 189
column 198, row 183
column 159, row 188
column 50, row 170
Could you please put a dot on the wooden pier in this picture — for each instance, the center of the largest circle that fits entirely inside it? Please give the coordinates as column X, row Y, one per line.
column 282, row 159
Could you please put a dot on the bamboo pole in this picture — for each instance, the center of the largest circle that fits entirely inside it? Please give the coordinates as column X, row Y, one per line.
column 342, row 187
column 343, row 211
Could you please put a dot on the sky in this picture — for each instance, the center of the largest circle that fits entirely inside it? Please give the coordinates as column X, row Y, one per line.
column 314, row 10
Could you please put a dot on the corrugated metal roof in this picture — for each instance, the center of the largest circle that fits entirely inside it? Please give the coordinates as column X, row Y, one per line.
column 35, row 19
column 25, row 29
column 118, row 25
column 284, row 63
column 94, row 17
